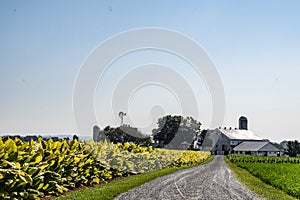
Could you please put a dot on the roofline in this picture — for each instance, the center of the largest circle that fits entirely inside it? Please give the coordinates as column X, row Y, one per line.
column 267, row 142
column 220, row 130
column 271, row 144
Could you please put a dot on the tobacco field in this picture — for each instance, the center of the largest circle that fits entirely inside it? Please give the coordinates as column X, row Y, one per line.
column 30, row 170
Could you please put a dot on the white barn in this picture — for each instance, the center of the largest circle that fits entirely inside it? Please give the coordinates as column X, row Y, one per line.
column 223, row 140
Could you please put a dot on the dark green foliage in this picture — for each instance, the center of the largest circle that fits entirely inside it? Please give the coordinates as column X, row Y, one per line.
column 125, row 133
column 293, row 148
column 169, row 126
column 277, row 145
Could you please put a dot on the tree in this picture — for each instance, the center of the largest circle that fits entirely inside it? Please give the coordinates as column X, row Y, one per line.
column 125, row 133
column 293, row 148
column 176, row 129
column 201, row 137
column 167, row 128
column 278, row 145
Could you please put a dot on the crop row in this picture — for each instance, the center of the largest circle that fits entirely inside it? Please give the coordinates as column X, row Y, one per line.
column 282, row 176
column 29, row 170
column 262, row 159
column 118, row 157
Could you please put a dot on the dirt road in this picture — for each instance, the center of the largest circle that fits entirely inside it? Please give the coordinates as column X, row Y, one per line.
column 211, row 181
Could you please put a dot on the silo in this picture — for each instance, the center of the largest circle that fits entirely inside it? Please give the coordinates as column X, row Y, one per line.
column 243, row 123
column 96, row 132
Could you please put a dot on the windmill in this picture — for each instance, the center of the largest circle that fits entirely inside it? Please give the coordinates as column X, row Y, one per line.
column 121, row 115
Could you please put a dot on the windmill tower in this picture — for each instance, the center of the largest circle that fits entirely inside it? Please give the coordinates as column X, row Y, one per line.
column 121, row 115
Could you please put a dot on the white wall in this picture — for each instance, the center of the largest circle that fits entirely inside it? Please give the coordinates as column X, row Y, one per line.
column 272, row 153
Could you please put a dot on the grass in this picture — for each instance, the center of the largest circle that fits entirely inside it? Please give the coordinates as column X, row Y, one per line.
column 114, row 188
column 256, row 185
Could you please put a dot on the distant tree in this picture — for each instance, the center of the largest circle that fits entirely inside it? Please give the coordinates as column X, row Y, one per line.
column 278, row 145
column 284, row 144
column 125, row 133
column 185, row 130
column 167, row 128
column 293, row 148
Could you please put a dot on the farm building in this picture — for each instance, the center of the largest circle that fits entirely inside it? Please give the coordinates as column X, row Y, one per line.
column 257, row 149
column 223, row 140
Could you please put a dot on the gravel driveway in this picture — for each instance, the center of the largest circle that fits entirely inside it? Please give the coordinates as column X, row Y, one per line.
column 210, row 181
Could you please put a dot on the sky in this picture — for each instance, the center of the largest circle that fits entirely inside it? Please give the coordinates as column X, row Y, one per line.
column 254, row 45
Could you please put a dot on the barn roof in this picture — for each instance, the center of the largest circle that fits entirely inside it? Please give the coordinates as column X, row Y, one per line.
column 254, row 146
column 238, row 134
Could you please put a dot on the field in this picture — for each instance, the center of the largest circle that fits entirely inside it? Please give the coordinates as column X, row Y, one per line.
column 30, row 170
column 117, row 186
column 281, row 173
column 262, row 159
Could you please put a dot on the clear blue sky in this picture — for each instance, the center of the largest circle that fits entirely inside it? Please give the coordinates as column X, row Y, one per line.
column 255, row 46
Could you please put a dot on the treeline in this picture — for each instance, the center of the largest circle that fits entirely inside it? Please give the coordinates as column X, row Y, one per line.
column 293, row 148
column 35, row 138
column 122, row 134
column 173, row 132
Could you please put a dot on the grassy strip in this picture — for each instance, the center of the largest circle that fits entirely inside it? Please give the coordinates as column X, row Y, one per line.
column 256, row 185
column 118, row 186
